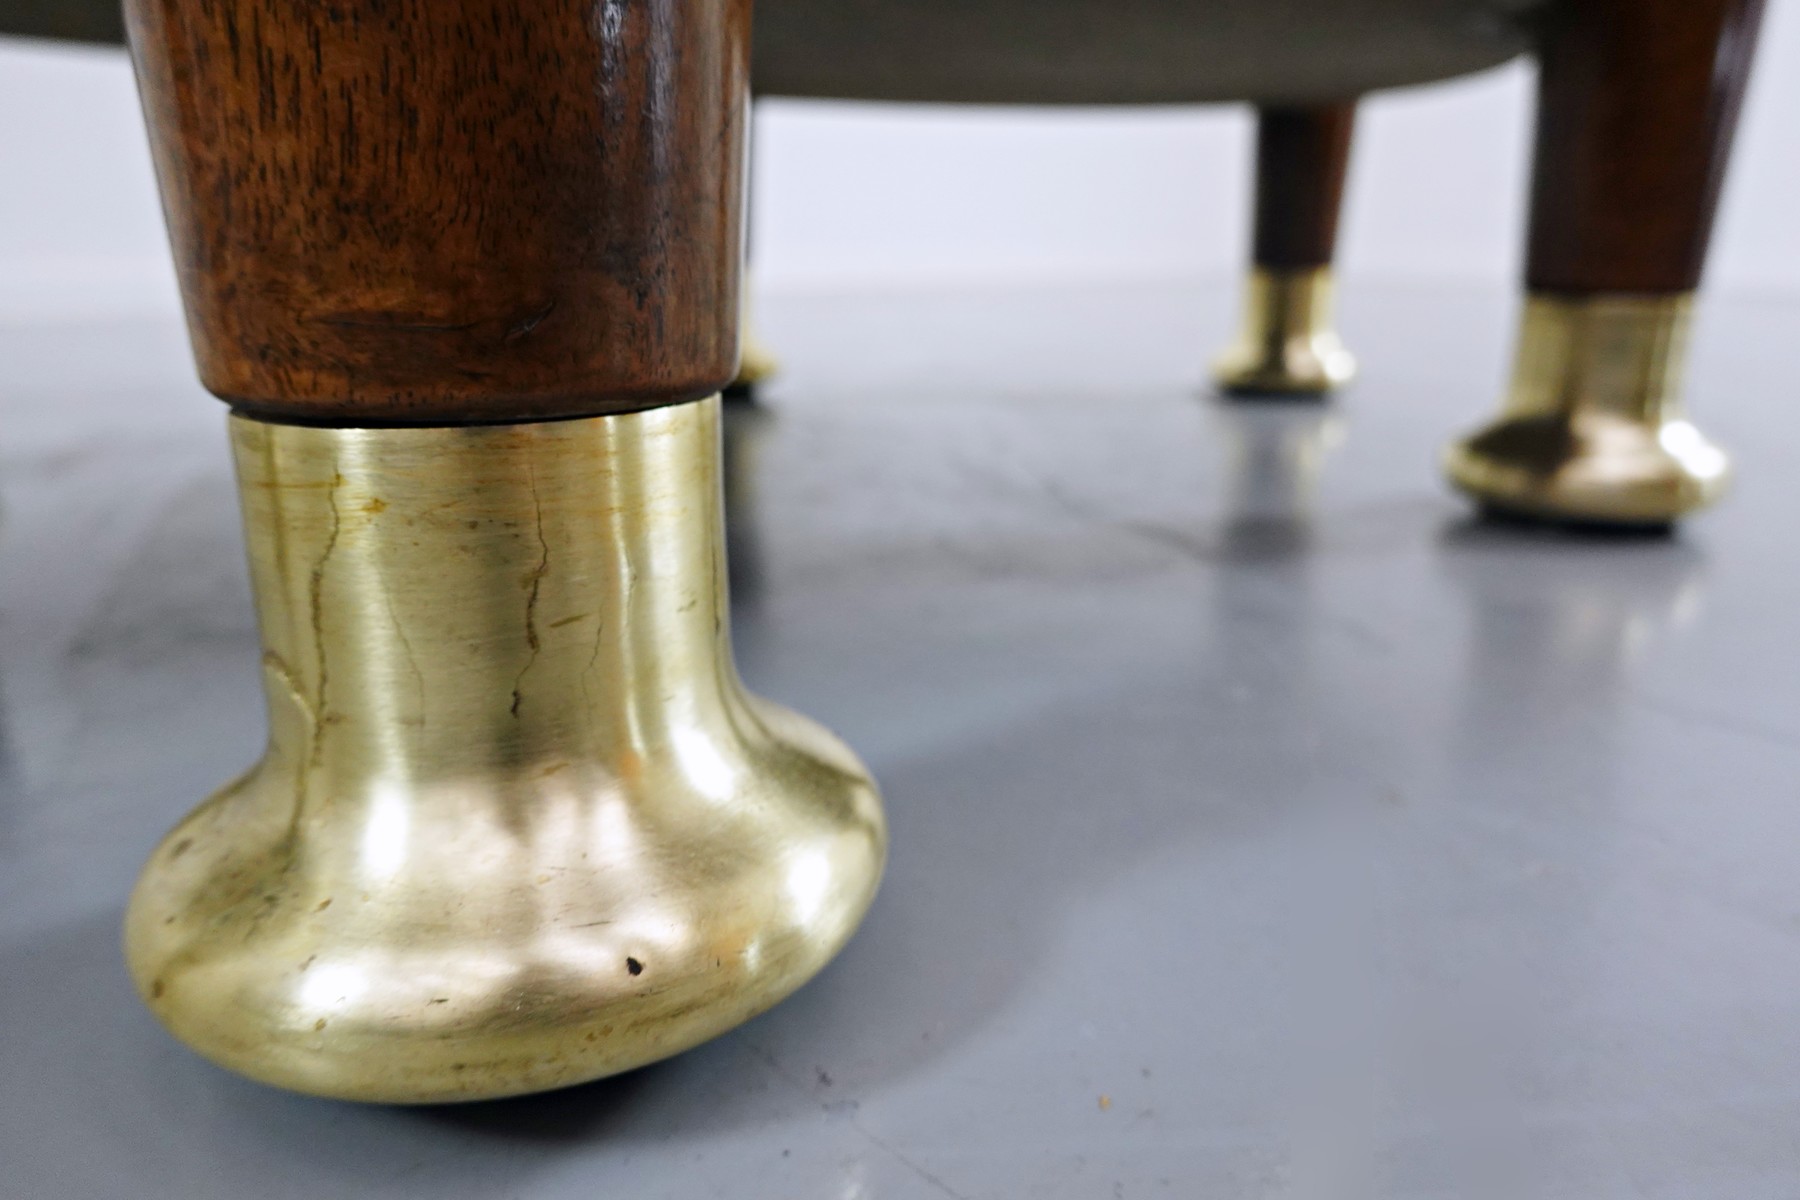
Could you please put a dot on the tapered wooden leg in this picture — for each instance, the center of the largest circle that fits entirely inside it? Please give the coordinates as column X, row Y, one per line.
column 1638, row 101
column 518, row 824
column 1288, row 343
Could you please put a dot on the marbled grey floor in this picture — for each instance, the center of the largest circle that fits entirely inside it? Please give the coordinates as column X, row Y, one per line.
column 1263, row 826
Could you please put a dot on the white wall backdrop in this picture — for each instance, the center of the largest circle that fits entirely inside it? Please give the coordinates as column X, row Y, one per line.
column 868, row 197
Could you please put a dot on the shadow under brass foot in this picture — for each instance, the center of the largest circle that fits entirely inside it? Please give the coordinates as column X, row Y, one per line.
column 1288, row 345
column 1592, row 430
column 518, row 824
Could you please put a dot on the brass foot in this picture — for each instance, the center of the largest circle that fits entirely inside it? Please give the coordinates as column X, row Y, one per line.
column 1288, row 345
column 518, row 825
column 757, row 365
column 1592, row 430
column 756, row 362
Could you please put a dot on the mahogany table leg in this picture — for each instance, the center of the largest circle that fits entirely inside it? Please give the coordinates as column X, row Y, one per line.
column 468, row 275
column 1638, row 100
column 1288, row 343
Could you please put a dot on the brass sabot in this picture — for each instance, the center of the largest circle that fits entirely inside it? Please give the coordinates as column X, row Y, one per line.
column 1593, row 428
column 518, row 824
column 756, row 362
column 1288, row 343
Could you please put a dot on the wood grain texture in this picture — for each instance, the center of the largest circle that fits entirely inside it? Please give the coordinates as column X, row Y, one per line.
column 1638, row 101
column 444, row 211
column 1302, row 157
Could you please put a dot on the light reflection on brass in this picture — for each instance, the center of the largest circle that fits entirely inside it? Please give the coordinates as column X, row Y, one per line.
column 1593, row 428
column 518, row 824
column 1288, row 344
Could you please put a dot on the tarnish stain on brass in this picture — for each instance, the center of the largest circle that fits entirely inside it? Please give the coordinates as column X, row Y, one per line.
column 315, row 595
column 276, row 668
column 534, row 582
column 514, row 896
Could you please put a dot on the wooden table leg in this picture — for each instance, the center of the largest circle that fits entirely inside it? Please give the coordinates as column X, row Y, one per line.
column 1638, row 101
column 1289, row 343
column 467, row 274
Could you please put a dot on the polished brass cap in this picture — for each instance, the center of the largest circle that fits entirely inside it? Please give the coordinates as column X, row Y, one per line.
column 1592, row 430
column 1288, row 344
column 518, row 824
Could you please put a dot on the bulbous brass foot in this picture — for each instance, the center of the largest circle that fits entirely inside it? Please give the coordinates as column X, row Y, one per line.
column 1288, row 345
column 518, row 824
column 1592, row 430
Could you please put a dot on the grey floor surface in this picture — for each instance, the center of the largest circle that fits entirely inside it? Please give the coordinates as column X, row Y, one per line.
column 1263, row 826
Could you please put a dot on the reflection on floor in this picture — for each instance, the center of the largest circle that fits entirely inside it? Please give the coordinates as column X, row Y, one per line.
column 1264, row 823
